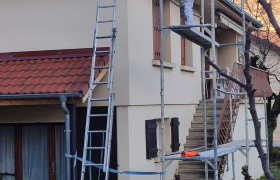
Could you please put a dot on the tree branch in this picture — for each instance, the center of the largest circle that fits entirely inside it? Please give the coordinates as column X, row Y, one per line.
column 219, row 71
column 270, row 14
column 274, row 76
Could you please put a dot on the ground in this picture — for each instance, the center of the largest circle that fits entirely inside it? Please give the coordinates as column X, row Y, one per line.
column 274, row 165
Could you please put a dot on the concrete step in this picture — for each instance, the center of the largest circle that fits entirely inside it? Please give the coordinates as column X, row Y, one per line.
column 207, row 114
column 195, row 179
column 200, row 124
column 193, row 173
column 211, row 101
column 190, row 146
column 198, row 139
column 200, row 131
column 191, row 165
column 209, row 106
column 200, row 118
column 208, row 111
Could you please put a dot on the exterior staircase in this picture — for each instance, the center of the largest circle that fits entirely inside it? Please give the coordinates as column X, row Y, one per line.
column 194, row 170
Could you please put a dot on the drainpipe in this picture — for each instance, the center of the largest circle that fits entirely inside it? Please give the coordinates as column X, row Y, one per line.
column 63, row 100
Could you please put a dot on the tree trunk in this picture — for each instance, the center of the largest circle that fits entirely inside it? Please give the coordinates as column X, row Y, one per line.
column 253, row 111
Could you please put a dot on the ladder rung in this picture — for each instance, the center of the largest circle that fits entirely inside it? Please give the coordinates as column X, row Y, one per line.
column 109, row 6
column 94, row 164
column 94, row 83
column 106, row 21
column 103, row 37
column 98, row 115
column 100, row 99
column 97, row 131
column 101, row 67
column 95, row 148
column 102, row 52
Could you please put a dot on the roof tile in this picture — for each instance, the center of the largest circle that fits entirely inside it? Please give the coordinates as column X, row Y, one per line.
column 52, row 75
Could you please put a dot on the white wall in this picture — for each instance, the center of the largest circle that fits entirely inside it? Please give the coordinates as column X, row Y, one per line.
column 34, row 25
column 32, row 114
column 132, row 138
column 144, row 79
column 255, row 167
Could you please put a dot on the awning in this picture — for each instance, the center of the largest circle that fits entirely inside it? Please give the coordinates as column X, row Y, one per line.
column 229, row 23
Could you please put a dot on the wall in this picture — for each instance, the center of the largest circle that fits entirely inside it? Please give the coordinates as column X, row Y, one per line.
column 33, row 25
column 144, row 78
column 255, row 167
column 271, row 61
column 132, row 138
column 227, row 54
column 31, row 114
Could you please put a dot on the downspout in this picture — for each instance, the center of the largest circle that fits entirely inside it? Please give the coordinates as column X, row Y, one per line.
column 63, row 100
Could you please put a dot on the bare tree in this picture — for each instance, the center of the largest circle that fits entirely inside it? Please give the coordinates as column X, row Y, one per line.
column 265, row 53
column 250, row 91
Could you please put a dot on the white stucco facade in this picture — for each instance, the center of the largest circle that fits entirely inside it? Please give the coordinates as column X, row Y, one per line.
column 60, row 24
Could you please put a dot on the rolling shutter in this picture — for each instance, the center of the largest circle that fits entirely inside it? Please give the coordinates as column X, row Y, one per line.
column 156, row 33
column 183, row 44
column 151, row 138
column 175, row 145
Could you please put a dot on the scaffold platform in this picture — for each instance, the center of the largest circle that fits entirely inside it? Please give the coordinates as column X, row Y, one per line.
column 193, row 35
column 222, row 150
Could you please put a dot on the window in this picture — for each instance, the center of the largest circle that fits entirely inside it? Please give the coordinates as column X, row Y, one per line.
column 29, row 151
column 175, row 145
column 7, row 148
column 151, row 138
column 186, row 50
column 156, row 33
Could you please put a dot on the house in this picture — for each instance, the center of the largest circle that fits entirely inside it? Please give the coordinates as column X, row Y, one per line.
column 45, row 60
column 260, row 48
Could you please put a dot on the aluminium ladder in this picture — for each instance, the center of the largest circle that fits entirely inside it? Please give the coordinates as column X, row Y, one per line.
column 108, row 131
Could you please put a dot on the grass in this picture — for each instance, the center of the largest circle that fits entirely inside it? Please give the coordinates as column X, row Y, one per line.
column 276, row 150
column 275, row 169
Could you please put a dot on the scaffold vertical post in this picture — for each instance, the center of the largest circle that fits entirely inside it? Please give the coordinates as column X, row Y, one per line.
column 231, row 135
column 203, row 81
column 266, row 128
column 213, row 52
column 246, row 96
column 162, row 89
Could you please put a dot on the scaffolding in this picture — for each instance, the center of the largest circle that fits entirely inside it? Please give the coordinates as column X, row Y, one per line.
column 207, row 44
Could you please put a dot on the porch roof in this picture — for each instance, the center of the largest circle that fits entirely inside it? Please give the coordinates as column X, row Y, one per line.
column 47, row 72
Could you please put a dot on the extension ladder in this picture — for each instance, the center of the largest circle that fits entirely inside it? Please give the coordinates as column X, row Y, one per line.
column 106, row 147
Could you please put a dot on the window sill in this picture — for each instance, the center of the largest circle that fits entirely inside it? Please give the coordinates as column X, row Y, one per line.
column 167, row 65
column 188, row 68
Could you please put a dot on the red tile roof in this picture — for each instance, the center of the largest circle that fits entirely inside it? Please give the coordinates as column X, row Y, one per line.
column 50, row 75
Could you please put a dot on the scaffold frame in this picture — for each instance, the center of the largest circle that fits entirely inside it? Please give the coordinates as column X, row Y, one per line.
column 204, row 49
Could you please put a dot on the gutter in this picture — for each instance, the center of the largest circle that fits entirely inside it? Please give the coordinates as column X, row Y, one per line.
column 40, row 96
column 63, row 99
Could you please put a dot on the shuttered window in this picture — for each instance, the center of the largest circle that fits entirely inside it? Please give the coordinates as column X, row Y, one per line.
column 183, row 45
column 175, row 145
column 151, row 138
column 156, row 33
